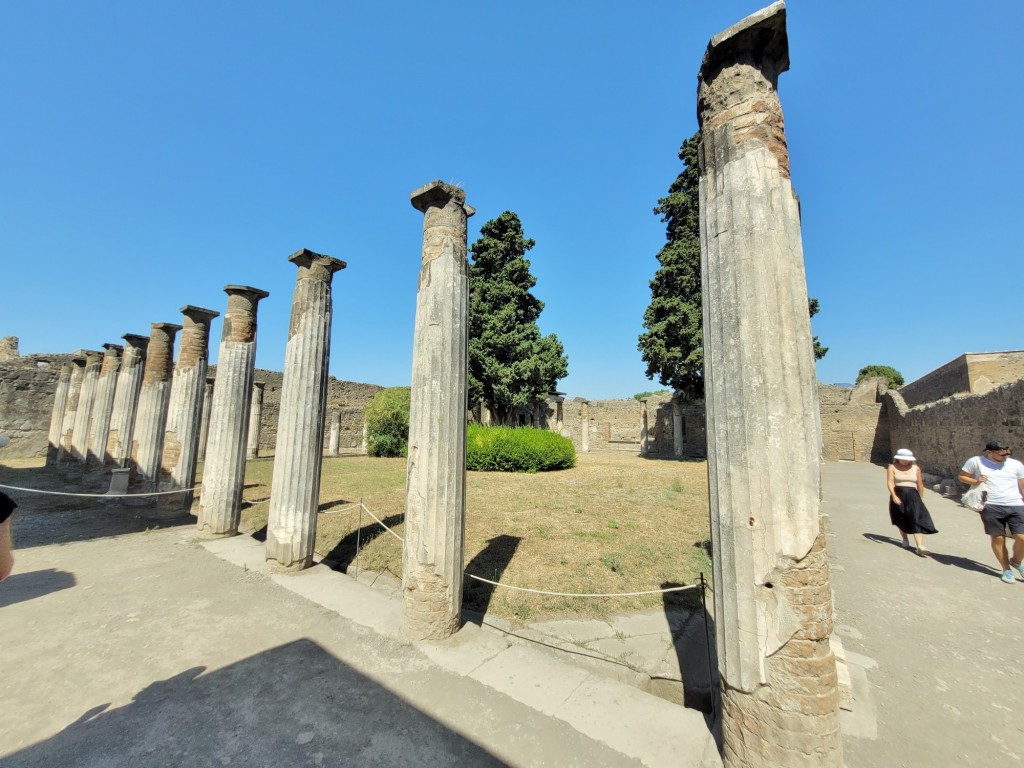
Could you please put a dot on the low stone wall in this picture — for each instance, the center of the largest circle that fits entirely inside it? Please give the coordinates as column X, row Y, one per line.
column 945, row 433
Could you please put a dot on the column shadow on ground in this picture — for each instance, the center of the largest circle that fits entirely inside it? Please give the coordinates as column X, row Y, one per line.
column 489, row 563
column 954, row 560
column 22, row 587
column 693, row 638
column 345, row 552
column 294, row 705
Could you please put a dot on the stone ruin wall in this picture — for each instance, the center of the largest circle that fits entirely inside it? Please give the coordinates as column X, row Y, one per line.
column 947, row 432
column 27, row 386
column 974, row 373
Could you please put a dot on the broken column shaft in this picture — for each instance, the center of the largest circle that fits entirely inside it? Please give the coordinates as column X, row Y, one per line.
column 185, row 408
column 435, row 507
column 220, row 501
column 103, row 405
column 773, row 613
column 298, row 455
column 151, row 417
column 126, row 399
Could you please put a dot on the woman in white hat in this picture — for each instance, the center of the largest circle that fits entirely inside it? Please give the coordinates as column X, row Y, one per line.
column 906, row 509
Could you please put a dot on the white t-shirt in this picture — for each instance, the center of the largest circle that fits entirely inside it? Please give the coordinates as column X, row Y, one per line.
column 1003, row 479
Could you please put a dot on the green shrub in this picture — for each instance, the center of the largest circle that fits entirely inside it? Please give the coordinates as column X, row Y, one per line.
column 893, row 378
column 518, row 449
column 387, row 422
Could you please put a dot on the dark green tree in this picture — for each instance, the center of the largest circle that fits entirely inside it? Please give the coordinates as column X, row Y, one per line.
column 893, row 378
column 510, row 363
column 673, row 344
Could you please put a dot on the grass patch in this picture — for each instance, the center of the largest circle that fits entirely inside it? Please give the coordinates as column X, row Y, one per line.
column 606, row 525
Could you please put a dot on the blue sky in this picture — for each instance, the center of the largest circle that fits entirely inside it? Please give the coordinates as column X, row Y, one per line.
column 152, row 153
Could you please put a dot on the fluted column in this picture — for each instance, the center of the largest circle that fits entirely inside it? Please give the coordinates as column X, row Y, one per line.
column 585, row 426
column 220, row 500
column 126, row 400
column 677, row 427
column 67, row 429
column 252, row 449
column 60, row 403
column 204, row 424
column 773, row 612
column 185, row 408
column 298, row 455
column 435, row 506
column 151, row 417
column 83, row 415
column 103, row 405
column 643, row 427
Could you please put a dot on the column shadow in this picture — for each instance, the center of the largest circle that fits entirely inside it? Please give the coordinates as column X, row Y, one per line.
column 489, row 563
column 22, row 587
column 693, row 639
column 344, row 552
column 295, row 705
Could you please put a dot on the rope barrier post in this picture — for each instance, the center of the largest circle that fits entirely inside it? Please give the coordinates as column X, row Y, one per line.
column 359, row 529
column 707, row 640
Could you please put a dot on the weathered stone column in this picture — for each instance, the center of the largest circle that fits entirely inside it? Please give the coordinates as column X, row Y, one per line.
column 71, row 409
column 86, row 397
column 60, row 404
column 252, row 449
column 204, row 424
column 365, row 445
column 334, row 441
column 677, row 427
column 151, row 417
column 643, row 427
column 126, row 399
column 585, row 426
column 103, row 405
column 435, row 506
column 185, row 408
column 773, row 612
column 298, row 453
column 220, row 502
column 559, row 399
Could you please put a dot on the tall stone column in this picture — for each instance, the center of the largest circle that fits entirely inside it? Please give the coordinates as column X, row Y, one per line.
column 585, row 426
column 365, row 445
column 154, row 396
column 60, row 404
column 559, row 400
column 773, row 612
column 67, row 429
column 643, row 427
column 435, row 506
column 298, row 454
column 220, row 502
column 204, row 423
column 252, row 449
column 334, row 441
column 103, row 405
column 86, row 397
column 185, row 408
column 126, row 400
column 677, row 427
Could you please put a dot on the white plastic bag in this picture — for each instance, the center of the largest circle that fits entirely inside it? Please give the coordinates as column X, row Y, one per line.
column 974, row 497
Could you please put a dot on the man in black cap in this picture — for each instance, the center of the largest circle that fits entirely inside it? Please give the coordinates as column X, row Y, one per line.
column 1004, row 502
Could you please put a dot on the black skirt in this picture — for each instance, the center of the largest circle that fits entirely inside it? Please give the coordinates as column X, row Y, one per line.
column 912, row 515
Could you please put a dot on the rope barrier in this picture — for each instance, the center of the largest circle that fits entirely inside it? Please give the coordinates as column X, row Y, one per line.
column 97, row 495
column 541, row 591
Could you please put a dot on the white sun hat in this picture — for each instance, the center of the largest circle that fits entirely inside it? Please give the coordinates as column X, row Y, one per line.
column 904, row 454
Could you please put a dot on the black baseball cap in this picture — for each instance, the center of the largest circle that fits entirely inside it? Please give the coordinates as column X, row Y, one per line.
column 996, row 445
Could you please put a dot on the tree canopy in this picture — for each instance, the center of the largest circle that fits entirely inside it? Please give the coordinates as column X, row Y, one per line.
column 893, row 378
column 673, row 344
column 510, row 364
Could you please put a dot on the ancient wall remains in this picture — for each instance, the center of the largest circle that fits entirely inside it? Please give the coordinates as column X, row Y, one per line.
column 854, row 423
column 944, row 433
column 974, row 373
column 27, row 386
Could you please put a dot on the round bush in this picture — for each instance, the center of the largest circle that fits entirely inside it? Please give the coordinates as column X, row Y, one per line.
column 387, row 422
column 518, row 449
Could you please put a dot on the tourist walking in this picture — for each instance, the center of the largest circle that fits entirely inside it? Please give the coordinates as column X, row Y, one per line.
column 1004, row 502
column 7, row 507
column 906, row 506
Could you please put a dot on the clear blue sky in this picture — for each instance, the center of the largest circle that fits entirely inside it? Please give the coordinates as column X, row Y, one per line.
column 151, row 153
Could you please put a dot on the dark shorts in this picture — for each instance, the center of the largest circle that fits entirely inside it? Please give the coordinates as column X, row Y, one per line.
column 997, row 519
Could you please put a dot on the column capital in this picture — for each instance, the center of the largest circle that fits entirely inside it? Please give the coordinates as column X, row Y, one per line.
column 198, row 313
column 762, row 33
column 113, row 349
column 319, row 266
column 255, row 293
column 135, row 340
column 167, row 328
column 438, row 193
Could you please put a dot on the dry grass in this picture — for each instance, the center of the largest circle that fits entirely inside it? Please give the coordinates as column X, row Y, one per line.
column 614, row 523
